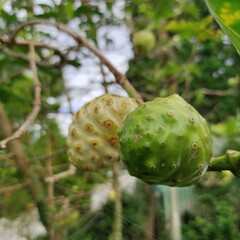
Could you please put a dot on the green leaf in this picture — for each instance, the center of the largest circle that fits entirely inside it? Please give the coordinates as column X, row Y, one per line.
column 227, row 14
column 187, row 29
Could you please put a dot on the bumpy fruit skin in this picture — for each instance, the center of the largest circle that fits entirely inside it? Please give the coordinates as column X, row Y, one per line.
column 166, row 141
column 92, row 137
column 144, row 41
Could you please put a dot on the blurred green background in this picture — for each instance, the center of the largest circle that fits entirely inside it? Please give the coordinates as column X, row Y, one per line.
column 181, row 50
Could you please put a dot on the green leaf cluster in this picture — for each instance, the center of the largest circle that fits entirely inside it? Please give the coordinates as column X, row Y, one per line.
column 190, row 57
column 216, row 217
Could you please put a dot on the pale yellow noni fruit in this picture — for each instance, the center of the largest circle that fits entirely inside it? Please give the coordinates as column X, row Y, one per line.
column 92, row 137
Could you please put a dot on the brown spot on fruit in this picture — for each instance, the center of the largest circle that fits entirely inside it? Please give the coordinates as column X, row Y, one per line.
column 162, row 144
column 152, row 168
column 74, row 132
column 173, row 165
column 96, row 109
column 194, row 145
column 109, row 124
column 170, row 114
column 88, row 168
column 94, row 143
column 150, row 118
column 113, row 141
column 78, row 147
column 124, row 104
column 110, row 156
column 191, row 120
column 109, row 102
column 137, row 137
column 89, row 128
column 180, row 135
column 188, row 107
column 199, row 166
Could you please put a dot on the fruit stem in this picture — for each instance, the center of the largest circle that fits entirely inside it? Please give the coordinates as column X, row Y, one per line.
column 117, row 228
column 230, row 161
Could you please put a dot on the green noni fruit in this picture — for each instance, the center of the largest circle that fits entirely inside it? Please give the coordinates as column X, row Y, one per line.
column 166, row 141
column 92, row 137
column 144, row 41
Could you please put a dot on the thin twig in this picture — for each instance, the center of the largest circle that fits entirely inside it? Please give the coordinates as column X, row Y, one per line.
column 71, row 171
column 66, row 92
column 12, row 188
column 9, row 42
column 15, row 54
column 49, row 171
column 26, row 58
column 36, row 104
column 104, row 80
column 210, row 92
column 117, row 226
column 120, row 78
column 216, row 92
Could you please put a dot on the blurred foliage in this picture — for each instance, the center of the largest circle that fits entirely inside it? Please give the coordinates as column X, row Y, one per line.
column 44, row 143
column 227, row 134
column 216, row 216
column 135, row 209
column 191, row 57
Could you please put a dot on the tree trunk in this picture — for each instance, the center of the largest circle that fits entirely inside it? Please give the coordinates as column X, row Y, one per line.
column 175, row 218
column 149, row 226
column 117, row 228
